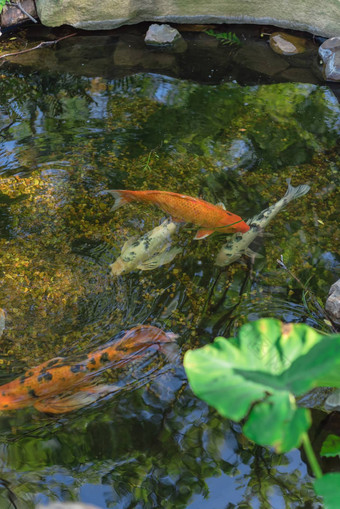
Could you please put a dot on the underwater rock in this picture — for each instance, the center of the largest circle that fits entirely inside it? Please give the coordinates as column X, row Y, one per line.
column 332, row 305
column 329, row 51
column 130, row 52
column 286, row 44
column 260, row 58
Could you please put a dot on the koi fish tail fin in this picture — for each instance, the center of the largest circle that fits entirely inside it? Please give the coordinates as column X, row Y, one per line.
column 295, row 192
column 121, row 198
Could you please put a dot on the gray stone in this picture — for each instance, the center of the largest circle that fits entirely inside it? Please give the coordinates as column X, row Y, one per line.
column 332, row 305
column 329, row 51
column 159, row 35
column 328, row 47
column 332, row 67
column 320, row 18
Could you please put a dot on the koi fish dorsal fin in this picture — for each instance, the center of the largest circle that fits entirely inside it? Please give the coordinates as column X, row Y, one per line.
column 221, row 205
column 202, row 233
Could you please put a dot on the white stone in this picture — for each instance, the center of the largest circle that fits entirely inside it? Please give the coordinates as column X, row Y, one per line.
column 158, row 35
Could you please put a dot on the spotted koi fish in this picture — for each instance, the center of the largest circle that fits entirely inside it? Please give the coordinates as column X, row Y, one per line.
column 151, row 250
column 184, row 208
column 238, row 245
column 57, row 376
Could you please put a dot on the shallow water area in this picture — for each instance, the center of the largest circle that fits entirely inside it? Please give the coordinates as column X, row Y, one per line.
column 102, row 111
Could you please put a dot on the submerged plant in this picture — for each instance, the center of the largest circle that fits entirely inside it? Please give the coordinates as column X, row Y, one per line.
column 257, row 376
column 225, row 37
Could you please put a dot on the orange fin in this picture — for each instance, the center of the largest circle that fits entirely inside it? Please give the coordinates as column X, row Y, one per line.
column 202, row 233
column 121, row 198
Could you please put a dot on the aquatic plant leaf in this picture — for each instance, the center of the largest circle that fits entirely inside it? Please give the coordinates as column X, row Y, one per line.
column 290, row 422
column 331, row 446
column 258, row 373
column 328, row 487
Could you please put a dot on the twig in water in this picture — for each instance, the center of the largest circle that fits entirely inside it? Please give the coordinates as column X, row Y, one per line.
column 41, row 45
column 5, row 128
column 20, row 7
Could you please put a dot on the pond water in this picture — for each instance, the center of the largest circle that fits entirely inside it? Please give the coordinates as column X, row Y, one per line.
column 102, row 112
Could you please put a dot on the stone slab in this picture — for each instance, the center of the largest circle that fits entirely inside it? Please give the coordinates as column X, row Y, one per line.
column 320, row 18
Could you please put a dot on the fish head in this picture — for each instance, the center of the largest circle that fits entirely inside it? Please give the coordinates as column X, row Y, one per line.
column 118, row 267
column 241, row 227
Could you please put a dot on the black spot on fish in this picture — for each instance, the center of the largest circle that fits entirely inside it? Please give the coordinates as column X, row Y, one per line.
column 30, row 373
column 92, row 361
column 104, row 358
column 5, row 406
column 4, row 394
column 32, row 393
column 229, row 213
column 146, row 243
column 22, row 379
column 76, row 369
column 45, row 377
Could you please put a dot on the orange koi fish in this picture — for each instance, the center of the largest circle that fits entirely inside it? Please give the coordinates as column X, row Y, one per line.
column 57, row 376
column 184, row 208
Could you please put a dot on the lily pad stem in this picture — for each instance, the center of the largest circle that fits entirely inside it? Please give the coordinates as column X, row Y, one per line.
column 311, row 456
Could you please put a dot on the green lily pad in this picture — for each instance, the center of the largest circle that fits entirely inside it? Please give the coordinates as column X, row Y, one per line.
column 328, row 487
column 258, row 373
column 331, row 446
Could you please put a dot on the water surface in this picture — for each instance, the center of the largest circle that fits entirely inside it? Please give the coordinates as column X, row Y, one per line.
column 66, row 136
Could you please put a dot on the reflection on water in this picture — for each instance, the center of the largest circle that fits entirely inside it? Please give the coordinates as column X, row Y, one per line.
column 66, row 138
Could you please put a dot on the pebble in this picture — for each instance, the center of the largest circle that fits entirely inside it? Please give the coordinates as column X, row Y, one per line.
column 286, row 44
column 333, row 303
